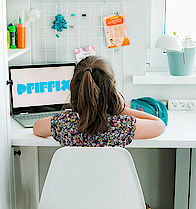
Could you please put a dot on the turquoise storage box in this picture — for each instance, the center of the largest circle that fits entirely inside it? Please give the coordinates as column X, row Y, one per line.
column 176, row 62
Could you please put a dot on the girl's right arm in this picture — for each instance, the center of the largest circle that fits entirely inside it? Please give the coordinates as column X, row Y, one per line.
column 147, row 125
column 42, row 127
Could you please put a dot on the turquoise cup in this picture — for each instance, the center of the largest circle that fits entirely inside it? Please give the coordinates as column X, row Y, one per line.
column 179, row 64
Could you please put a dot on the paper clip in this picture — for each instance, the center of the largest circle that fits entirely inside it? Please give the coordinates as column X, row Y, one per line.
column 83, row 16
column 71, row 27
column 116, row 50
column 117, row 13
column 73, row 15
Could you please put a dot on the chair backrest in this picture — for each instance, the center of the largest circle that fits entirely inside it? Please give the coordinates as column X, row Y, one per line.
column 92, row 178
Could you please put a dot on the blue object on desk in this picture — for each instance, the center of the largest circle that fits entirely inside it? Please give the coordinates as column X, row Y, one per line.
column 151, row 106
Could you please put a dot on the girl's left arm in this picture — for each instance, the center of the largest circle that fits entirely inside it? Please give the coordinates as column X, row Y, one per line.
column 43, row 127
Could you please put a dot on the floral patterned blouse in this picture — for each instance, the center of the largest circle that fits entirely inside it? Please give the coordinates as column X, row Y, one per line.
column 120, row 131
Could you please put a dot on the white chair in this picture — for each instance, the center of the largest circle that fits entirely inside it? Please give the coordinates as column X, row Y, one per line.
column 92, row 178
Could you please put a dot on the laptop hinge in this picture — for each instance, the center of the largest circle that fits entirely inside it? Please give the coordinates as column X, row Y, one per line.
column 9, row 82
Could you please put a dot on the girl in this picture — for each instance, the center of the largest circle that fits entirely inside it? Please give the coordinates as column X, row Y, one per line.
column 98, row 116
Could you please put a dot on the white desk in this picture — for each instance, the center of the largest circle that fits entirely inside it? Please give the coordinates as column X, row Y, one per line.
column 180, row 133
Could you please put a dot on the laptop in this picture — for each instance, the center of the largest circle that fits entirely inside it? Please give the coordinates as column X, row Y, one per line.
column 39, row 91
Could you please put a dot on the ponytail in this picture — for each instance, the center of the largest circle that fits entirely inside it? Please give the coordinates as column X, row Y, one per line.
column 87, row 106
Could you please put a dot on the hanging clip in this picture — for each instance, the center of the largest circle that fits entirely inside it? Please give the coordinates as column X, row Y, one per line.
column 84, row 16
column 58, row 7
column 116, row 50
column 117, row 13
column 71, row 27
column 73, row 15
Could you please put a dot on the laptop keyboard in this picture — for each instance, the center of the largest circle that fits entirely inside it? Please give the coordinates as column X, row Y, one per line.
column 33, row 116
column 28, row 120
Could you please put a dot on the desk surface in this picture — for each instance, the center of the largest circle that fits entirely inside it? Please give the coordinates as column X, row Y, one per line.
column 179, row 133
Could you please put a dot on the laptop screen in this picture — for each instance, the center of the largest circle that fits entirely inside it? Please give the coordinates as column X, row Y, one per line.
column 40, row 88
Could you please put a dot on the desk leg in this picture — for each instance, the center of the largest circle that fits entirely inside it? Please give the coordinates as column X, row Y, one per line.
column 26, row 178
column 182, row 178
column 192, row 203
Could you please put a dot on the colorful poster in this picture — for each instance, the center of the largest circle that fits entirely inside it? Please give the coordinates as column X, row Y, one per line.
column 116, row 30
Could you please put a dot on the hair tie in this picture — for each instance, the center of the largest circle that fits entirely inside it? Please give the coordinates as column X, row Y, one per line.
column 88, row 69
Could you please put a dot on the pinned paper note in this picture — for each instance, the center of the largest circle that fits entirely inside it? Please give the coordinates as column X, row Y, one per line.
column 116, row 30
column 84, row 52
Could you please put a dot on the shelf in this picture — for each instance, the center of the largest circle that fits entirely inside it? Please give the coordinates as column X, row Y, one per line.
column 164, row 78
column 13, row 53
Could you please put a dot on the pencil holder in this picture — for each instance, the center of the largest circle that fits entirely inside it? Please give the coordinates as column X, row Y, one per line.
column 21, row 35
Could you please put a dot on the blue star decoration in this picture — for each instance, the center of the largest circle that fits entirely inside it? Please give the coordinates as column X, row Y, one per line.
column 59, row 24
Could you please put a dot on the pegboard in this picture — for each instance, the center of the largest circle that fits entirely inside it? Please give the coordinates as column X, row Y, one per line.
column 82, row 31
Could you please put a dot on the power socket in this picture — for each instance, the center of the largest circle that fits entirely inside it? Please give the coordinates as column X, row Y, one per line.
column 180, row 104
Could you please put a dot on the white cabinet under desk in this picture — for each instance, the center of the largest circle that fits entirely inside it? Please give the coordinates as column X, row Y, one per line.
column 180, row 133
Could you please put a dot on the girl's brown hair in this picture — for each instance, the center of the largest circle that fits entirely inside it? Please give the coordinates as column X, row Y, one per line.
column 93, row 94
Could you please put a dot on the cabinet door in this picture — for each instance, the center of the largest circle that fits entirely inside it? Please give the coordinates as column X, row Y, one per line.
column 26, row 178
column 5, row 141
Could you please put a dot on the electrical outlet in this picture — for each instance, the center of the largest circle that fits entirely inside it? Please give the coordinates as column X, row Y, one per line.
column 180, row 104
